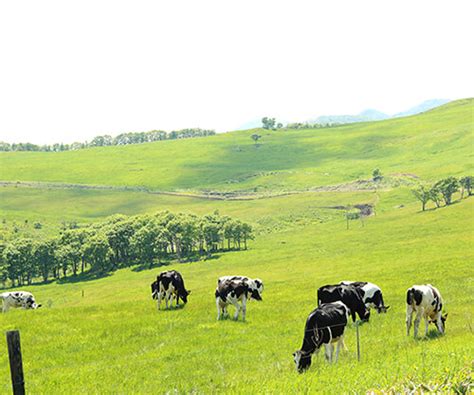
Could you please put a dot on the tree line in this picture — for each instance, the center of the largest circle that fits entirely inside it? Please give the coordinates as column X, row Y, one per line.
column 120, row 241
column 443, row 191
column 107, row 140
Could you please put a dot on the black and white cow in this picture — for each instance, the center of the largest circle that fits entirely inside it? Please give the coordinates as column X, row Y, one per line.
column 324, row 326
column 236, row 290
column 372, row 295
column 169, row 284
column 351, row 296
column 19, row 299
column 426, row 302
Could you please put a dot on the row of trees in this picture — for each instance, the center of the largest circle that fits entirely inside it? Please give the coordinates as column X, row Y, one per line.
column 118, row 242
column 106, row 140
column 443, row 190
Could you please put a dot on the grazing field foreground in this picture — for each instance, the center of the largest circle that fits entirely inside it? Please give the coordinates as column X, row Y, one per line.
column 113, row 340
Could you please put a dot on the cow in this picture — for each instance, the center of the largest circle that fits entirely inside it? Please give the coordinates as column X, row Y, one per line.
column 372, row 295
column 427, row 303
column 347, row 294
column 235, row 289
column 324, row 325
column 19, row 299
column 169, row 284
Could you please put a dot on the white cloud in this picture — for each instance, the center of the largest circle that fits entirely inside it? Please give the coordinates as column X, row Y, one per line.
column 70, row 71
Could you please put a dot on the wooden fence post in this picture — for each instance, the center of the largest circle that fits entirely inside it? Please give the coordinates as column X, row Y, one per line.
column 358, row 341
column 16, row 365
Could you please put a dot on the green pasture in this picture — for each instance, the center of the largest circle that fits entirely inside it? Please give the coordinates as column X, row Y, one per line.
column 436, row 143
column 114, row 340
column 105, row 335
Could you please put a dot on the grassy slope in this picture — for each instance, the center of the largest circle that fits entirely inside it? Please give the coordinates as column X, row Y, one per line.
column 114, row 340
column 432, row 144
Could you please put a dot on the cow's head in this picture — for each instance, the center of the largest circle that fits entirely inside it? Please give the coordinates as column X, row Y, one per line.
column 256, row 289
column 184, row 295
column 30, row 303
column 444, row 317
column 154, row 290
column 302, row 360
column 382, row 309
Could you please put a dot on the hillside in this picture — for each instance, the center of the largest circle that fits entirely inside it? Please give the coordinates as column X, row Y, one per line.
column 429, row 145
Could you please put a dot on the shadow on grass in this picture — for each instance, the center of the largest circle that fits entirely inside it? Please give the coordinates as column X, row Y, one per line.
column 173, row 308
column 83, row 277
column 432, row 334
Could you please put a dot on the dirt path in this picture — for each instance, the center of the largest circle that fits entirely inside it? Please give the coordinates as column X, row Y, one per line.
column 359, row 185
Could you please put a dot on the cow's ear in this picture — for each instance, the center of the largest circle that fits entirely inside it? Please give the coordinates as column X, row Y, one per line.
column 189, row 291
column 387, row 307
column 38, row 306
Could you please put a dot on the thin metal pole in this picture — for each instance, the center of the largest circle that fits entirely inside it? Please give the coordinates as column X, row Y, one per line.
column 358, row 341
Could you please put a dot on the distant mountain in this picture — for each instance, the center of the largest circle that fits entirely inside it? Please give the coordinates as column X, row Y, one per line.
column 368, row 115
column 375, row 115
column 425, row 106
column 364, row 116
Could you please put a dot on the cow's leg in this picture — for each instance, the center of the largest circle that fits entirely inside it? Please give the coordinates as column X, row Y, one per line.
column 218, row 309
column 340, row 343
column 244, row 307
column 237, row 309
column 409, row 318
column 427, row 322
column 167, row 298
column 160, row 296
column 328, row 348
column 177, row 300
column 416, row 325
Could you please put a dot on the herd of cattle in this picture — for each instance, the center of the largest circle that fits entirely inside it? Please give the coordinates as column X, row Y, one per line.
column 324, row 326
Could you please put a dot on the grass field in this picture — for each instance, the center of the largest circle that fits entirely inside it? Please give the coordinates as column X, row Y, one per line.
column 433, row 144
column 113, row 340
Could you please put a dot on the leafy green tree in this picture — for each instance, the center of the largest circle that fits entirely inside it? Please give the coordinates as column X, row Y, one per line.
column 45, row 257
column 447, row 187
column 423, row 195
column 377, row 175
column 466, row 185
column 435, row 195
column 268, row 123
column 255, row 137
column 98, row 252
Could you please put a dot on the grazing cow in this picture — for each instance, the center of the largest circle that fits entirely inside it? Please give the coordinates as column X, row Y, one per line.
column 18, row 299
column 235, row 289
column 347, row 294
column 169, row 284
column 325, row 325
column 427, row 303
column 372, row 295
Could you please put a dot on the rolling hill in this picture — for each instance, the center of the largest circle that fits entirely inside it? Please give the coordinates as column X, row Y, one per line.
column 429, row 145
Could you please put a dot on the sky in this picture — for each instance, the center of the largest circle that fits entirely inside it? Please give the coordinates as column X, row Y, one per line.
column 72, row 70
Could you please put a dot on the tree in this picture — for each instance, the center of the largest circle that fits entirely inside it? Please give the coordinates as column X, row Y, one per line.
column 377, row 175
column 255, row 137
column 268, row 123
column 98, row 252
column 45, row 258
column 423, row 195
column 279, row 125
column 447, row 187
column 435, row 195
column 466, row 185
